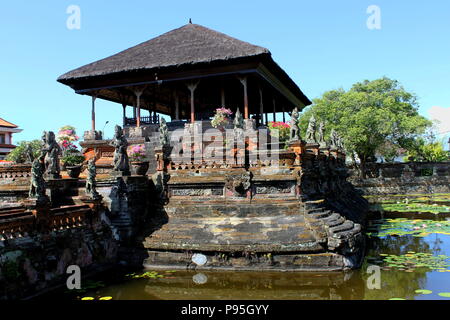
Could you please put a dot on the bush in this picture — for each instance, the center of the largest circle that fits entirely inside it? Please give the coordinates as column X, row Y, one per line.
column 19, row 154
column 72, row 158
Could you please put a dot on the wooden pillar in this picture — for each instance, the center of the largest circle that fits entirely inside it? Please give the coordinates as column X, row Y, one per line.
column 261, row 107
column 244, row 84
column 93, row 112
column 222, row 97
column 124, row 106
column 138, row 94
column 284, row 116
column 177, row 107
column 192, row 86
column 274, row 110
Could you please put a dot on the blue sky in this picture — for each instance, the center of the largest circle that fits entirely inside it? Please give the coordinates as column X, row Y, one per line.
column 322, row 44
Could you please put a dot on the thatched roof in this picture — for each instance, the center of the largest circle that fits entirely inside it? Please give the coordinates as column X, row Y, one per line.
column 190, row 44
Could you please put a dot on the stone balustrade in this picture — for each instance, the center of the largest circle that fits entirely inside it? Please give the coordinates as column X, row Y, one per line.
column 20, row 222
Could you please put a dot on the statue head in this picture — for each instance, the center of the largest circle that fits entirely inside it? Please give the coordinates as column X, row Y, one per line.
column 118, row 131
column 50, row 138
column 295, row 113
column 238, row 120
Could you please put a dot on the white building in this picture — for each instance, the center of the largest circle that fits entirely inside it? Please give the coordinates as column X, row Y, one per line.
column 6, row 142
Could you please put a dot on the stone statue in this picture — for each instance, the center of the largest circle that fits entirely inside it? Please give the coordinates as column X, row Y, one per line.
column 321, row 138
column 340, row 143
column 295, row 129
column 37, row 185
column 311, row 131
column 238, row 129
column 51, row 151
column 238, row 120
column 91, row 183
column 334, row 137
column 120, row 143
column 163, row 133
column 29, row 153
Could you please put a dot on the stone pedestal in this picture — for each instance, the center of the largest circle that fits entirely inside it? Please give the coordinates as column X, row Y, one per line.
column 120, row 174
column 92, row 135
column 298, row 147
column 312, row 148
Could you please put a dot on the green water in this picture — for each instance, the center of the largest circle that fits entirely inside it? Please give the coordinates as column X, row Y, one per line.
column 408, row 259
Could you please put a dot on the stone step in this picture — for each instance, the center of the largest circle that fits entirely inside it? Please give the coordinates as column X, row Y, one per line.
column 287, row 231
column 347, row 225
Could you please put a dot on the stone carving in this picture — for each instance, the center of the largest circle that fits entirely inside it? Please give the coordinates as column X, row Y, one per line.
column 321, row 138
column 311, row 131
column 334, row 139
column 91, row 183
column 340, row 143
column 29, row 153
column 238, row 131
column 295, row 129
column 120, row 143
column 163, row 133
column 37, row 185
column 51, row 151
column 238, row 183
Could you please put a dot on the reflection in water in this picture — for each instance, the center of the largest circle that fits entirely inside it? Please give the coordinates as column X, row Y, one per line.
column 395, row 282
column 243, row 286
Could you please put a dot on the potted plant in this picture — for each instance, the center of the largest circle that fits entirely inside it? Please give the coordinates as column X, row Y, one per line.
column 73, row 160
column 280, row 130
column 222, row 117
column 137, row 156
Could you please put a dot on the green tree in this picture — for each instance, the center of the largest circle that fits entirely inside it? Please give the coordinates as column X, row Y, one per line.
column 367, row 116
column 19, row 154
column 423, row 151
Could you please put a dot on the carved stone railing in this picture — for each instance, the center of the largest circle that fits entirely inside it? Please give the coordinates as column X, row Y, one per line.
column 15, row 171
column 20, row 222
column 403, row 170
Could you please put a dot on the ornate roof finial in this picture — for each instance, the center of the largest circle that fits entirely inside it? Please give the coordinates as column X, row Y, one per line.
column 190, row 20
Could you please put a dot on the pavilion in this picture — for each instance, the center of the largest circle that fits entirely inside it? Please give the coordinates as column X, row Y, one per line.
column 186, row 74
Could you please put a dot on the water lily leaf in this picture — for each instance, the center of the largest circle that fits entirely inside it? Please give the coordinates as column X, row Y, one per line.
column 106, row 298
column 444, row 294
column 87, row 298
column 397, row 299
column 424, row 291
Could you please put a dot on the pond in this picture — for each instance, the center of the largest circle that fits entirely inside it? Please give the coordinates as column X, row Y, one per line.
column 407, row 258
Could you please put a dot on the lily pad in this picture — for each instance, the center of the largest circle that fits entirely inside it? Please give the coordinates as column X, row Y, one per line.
column 444, row 294
column 87, row 298
column 424, row 291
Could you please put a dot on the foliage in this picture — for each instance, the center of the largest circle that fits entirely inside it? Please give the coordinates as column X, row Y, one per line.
column 422, row 151
column 280, row 129
column 19, row 154
column 150, row 275
column 368, row 115
column 417, row 228
column 412, row 260
column 222, row 117
column 72, row 157
column 137, row 153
